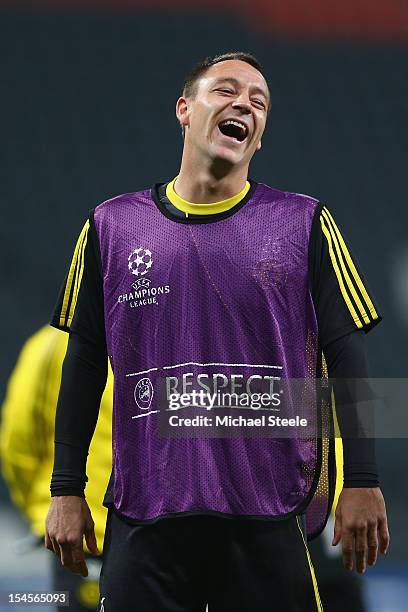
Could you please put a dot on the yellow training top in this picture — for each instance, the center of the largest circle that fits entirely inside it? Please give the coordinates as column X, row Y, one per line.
column 27, row 432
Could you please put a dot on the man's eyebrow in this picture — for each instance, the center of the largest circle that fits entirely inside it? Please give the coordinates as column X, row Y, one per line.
column 235, row 81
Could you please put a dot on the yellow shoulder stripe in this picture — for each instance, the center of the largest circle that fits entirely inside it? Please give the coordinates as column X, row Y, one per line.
column 344, row 268
column 74, row 279
column 353, row 269
column 319, row 606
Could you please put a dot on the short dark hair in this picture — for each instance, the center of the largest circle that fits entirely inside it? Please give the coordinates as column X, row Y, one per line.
column 189, row 87
column 190, row 83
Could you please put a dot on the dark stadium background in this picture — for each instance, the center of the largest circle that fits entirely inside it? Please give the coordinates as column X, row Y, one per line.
column 87, row 112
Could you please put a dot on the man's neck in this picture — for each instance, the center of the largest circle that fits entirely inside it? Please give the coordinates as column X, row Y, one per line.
column 205, row 186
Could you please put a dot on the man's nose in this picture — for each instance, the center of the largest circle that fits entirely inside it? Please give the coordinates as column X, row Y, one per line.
column 242, row 103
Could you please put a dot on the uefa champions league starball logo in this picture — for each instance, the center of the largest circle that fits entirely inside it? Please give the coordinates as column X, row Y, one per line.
column 143, row 292
column 140, row 261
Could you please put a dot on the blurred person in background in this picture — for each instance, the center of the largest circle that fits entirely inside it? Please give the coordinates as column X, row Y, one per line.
column 246, row 275
column 27, row 451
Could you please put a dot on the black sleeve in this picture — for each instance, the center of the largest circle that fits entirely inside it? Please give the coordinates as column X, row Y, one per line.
column 79, row 311
column 341, row 297
column 84, row 375
column 79, row 306
column 347, row 365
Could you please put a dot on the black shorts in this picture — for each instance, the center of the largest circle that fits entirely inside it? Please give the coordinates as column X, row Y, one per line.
column 182, row 564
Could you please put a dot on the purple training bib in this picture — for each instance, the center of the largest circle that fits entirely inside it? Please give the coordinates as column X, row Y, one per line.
column 211, row 306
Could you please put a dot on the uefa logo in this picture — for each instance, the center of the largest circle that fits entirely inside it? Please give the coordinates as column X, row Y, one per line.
column 144, row 393
column 140, row 261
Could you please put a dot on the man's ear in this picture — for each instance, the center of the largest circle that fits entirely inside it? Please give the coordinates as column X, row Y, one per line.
column 259, row 145
column 182, row 113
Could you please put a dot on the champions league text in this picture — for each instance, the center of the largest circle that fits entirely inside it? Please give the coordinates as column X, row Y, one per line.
column 142, row 295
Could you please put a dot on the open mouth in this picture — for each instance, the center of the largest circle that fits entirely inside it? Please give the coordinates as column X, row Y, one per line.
column 233, row 129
